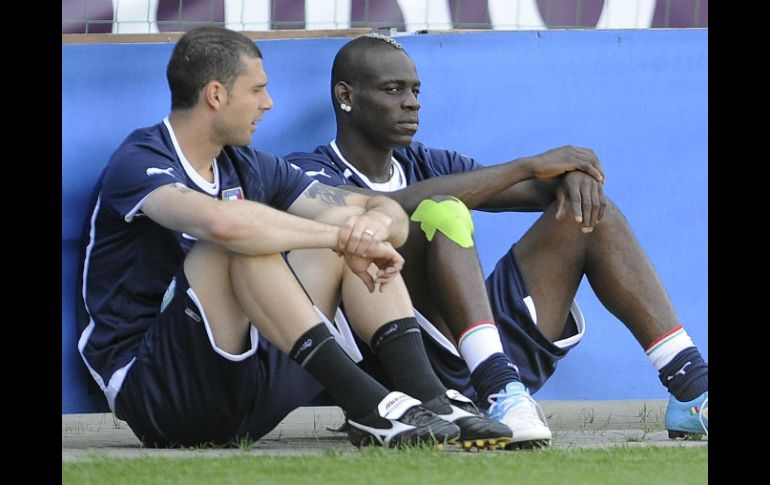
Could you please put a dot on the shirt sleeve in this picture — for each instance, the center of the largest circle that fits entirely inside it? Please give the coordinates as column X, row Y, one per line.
column 288, row 181
column 446, row 162
column 319, row 167
column 134, row 171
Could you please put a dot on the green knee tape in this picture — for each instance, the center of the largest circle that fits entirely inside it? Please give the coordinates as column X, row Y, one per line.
column 451, row 217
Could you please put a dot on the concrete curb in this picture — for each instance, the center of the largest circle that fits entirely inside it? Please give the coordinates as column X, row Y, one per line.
column 575, row 424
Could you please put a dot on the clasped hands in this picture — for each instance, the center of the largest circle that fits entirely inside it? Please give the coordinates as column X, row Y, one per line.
column 363, row 242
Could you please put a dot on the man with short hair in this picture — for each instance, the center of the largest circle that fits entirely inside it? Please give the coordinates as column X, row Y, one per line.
column 496, row 342
column 192, row 323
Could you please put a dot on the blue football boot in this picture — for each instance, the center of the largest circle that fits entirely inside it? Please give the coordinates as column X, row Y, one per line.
column 688, row 420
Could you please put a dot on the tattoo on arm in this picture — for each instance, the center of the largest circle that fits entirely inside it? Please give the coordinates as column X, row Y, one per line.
column 326, row 194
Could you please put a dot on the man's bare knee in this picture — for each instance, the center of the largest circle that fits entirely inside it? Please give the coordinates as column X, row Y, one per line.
column 207, row 268
column 204, row 258
column 613, row 214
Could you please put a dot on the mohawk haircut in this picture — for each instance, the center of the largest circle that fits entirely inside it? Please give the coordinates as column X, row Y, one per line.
column 384, row 38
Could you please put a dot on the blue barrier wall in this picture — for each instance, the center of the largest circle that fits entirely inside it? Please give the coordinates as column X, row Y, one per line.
column 638, row 98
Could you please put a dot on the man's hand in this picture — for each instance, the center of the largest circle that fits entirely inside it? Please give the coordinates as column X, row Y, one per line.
column 568, row 158
column 384, row 257
column 584, row 196
column 361, row 232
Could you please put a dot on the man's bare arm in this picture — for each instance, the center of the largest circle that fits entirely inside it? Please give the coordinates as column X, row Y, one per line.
column 241, row 226
column 384, row 218
column 522, row 184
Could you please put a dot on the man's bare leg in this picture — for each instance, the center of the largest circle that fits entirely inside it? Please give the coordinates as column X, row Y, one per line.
column 385, row 320
column 379, row 318
column 237, row 291
column 459, row 306
column 554, row 255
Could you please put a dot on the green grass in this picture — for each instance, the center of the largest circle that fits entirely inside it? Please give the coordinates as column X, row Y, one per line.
column 610, row 466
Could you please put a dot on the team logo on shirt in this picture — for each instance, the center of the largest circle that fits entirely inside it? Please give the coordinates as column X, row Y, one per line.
column 169, row 295
column 232, row 194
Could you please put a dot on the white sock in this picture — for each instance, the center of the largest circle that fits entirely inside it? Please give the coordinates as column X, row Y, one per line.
column 478, row 342
column 664, row 348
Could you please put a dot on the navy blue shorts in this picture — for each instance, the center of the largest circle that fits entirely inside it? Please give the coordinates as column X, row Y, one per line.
column 513, row 310
column 183, row 391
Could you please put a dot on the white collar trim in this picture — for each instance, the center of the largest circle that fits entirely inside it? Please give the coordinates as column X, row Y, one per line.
column 397, row 182
column 208, row 187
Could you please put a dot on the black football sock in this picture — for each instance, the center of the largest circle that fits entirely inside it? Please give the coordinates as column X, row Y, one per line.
column 350, row 387
column 398, row 345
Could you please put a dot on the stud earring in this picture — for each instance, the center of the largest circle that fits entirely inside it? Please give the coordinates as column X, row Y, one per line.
column 345, row 107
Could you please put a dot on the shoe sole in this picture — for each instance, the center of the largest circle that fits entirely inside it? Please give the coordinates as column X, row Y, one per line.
column 528, row 438
column 528, row 444
column 684, row 435
column 362, row 439
column 480, row 444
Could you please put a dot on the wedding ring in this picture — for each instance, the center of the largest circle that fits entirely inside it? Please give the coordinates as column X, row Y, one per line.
column 370, row 232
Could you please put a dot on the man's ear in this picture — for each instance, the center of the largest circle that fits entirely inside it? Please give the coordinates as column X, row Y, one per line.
column 342, row 93
column 214, row 94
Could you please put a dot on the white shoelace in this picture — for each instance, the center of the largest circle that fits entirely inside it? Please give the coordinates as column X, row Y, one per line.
column 520, row 405
column 704, row 409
